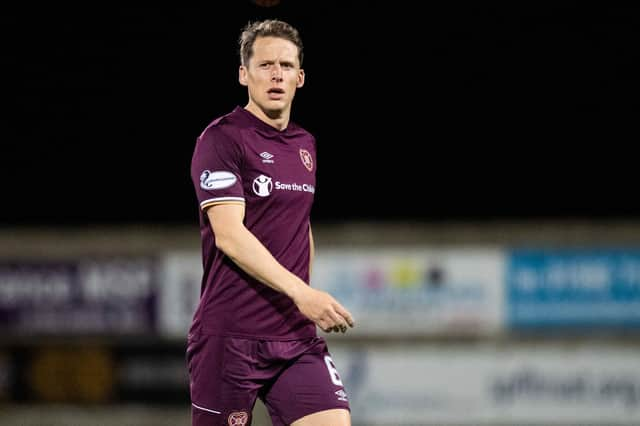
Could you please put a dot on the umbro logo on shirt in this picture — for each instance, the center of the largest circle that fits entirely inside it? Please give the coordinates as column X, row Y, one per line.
column 266, row 157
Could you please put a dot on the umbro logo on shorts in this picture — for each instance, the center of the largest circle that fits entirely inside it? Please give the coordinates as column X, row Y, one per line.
column 342, row 395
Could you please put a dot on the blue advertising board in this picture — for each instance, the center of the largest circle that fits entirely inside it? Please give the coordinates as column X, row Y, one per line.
column 573, row 287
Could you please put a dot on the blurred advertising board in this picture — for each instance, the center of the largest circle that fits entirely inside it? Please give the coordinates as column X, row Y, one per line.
column 585, row 287
column 69, row 373
column 393, row 291
column 181, row 275
column 84, row 371
column 90, row 295
column 152, row 373
column 472, row 384
column 6, row 374
column 416, row 291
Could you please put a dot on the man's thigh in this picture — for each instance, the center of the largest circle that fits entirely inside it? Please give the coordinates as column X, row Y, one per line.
column 311, row 384
column 337, row 417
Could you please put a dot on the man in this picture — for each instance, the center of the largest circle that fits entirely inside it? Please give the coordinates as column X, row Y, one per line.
column 254, row 331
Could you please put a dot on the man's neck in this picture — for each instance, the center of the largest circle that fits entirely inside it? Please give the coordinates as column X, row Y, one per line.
column 280, row 122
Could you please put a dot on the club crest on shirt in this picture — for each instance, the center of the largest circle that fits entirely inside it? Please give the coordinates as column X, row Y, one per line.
column 306, row 158
column 238, row 418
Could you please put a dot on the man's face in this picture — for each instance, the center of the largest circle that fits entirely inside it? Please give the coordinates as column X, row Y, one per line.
column 273, row 74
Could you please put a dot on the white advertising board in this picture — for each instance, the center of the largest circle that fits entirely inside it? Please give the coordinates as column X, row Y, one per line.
column 181, row 276
column 473, row 384
column 416, row 291
column 392, row 291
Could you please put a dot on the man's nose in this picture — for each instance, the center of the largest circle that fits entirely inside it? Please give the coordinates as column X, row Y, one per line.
column 276, row 73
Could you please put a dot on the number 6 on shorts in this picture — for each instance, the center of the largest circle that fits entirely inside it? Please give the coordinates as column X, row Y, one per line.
column 333, row 372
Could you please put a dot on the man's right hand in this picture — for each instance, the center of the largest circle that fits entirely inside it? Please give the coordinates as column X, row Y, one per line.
column 321, row 308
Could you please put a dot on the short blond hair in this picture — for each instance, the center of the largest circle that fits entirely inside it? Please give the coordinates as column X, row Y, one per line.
column 267, row 28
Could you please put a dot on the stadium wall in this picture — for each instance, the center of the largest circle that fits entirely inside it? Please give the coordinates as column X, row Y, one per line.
column 458, row 323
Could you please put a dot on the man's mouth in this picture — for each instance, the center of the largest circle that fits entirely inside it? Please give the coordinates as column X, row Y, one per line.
column 275, row 93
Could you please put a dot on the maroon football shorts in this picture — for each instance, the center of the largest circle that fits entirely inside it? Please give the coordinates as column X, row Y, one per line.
column 293, row 379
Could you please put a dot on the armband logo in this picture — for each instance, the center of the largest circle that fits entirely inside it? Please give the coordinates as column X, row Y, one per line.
column 216, row 180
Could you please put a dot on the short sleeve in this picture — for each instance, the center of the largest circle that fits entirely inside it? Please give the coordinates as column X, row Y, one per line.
column 215, row 169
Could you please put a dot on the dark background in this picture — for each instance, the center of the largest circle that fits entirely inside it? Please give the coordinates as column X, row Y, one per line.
column 461, row 110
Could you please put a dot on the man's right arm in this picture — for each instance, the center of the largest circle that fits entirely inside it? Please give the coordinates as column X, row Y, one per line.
column 237, row 242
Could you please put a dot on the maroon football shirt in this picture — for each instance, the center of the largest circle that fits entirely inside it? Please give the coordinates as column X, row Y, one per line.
column 239, row 158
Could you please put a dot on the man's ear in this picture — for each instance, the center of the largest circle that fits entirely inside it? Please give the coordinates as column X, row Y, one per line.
column 242, row 75
column 300, row 78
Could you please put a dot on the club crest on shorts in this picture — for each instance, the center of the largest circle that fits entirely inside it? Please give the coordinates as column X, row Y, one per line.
column 306, row 158
column 238, row 418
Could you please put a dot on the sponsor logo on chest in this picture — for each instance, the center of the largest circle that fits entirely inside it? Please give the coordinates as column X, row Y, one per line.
column 264, row 185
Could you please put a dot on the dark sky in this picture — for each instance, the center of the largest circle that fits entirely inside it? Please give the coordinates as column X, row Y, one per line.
column 462, row 110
